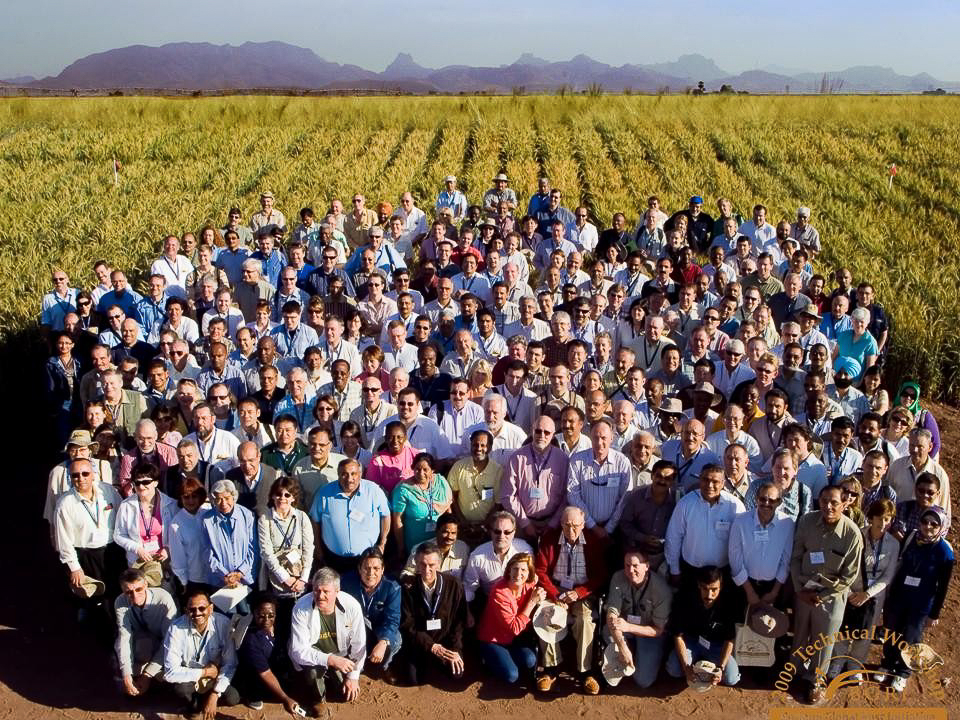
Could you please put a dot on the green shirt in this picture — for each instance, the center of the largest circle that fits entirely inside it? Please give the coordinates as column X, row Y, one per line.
column 327, row 639
column 648, row 604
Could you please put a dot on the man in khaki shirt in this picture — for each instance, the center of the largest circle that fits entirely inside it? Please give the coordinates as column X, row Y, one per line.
column 358, row 223
column 826, row 559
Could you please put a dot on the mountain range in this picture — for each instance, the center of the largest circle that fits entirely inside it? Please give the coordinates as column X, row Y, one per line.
column 280, row 66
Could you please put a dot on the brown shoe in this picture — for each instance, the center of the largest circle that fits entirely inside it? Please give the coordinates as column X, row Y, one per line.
column 590, row 686
column 817, row 694
column 545, row 682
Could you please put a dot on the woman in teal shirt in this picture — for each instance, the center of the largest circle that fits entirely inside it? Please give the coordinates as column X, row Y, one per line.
column 418, row 502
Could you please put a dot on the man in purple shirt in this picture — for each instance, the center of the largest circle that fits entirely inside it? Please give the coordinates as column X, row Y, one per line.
column 534, row 482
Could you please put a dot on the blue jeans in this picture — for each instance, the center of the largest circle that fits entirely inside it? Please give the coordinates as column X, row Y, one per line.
column 695, row 653
column 911, row 625
column 395, row 641
column 508, row 662
column 647, row 656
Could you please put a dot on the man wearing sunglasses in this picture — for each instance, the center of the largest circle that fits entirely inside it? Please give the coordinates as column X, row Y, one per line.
column 760, row 545
column 58, row 302
column 199, row 658
column 143, row 616
column 83, row 531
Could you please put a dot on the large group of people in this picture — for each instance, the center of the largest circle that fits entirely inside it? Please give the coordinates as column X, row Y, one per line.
column 499, row 442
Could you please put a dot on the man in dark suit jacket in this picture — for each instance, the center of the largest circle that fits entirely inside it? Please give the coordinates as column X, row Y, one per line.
column 572, row 567
column 252, row 478
column 434, row 617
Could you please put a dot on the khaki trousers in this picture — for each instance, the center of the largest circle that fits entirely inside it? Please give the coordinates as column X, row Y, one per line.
column 582, row 627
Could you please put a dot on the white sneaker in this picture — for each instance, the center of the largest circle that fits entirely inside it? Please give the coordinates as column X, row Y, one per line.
column 898, row 684
column 255, row 704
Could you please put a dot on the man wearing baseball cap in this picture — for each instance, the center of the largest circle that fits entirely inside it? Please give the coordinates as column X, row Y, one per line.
column 699, row 224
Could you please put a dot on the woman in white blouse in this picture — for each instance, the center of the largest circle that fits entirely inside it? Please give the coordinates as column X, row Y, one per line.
column 143, row 520
column 187, row 561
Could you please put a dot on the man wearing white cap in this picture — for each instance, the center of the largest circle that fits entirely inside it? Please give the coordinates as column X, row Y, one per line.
column 805, row 233
column 269, row 217
column 453, row 199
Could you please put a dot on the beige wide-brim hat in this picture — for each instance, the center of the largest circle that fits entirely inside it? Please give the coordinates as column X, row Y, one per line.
column 82, row 438
column 767, row 621
column 703, row 673
column 89, row 588
column 152, row 571
column 550, row 622
column 921, row 657
column 613, row 668
column 500, row 176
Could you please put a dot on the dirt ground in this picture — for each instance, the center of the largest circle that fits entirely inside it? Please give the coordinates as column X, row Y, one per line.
column 48, row 669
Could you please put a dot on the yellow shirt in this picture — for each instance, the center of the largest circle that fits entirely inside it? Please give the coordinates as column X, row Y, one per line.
column 476, row 491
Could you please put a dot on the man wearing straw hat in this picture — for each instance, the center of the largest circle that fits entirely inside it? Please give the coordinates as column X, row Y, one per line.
column 83, row 533
column 499, row 193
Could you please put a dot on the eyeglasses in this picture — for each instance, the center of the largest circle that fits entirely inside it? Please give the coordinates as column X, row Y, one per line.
column 81, row 474
column 83, row 303
column 197, row 610
column 502, row 532
column 849, row 493
column 768, row 501
column 219, row 397
column 371, row 389
column 358, row 200
column 711, row 318
column 538, row 431
column 177, row 353
column 283, row 494
column 114, row 317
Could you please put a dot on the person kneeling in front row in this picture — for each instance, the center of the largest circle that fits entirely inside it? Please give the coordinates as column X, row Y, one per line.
column 328, row 640
column 199, row 658
column 703, row 624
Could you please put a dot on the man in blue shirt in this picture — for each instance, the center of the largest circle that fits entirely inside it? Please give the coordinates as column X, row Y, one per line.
column 272, row 258
column 230, row 258
column 550, row 212
column 121, row 296
column 353, row 515
column 380, row 599
column 229, row 537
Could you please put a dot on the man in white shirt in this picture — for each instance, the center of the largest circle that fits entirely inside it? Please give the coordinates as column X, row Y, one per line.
column 733, row 433
column 372, row 411
column 486, row 564
column 335, row 348
column 529, row 326
column 223, row 309
column 649, row 346
column 517, row 286
column 698, row 533
column 328, row 639
column 490, row 344
column 217, row 448
column 584, row 233
column 200, row 657
column 454, row 416
column 423, row 433
column 83, row 530
column 507, row 437
column 399, row 353
column 763, row 235
column 469, row 281
column 521, row 402
column 443, row 302
column 760, row 545
column 174, row 267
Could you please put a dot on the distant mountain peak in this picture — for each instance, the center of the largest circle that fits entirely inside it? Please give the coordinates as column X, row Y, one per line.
column 531, row 59
column 404, row 66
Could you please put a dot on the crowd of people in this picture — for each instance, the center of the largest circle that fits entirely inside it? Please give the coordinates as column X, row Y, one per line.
column 434, row 449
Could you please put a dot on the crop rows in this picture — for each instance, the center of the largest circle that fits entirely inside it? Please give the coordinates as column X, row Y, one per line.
column 184, row 162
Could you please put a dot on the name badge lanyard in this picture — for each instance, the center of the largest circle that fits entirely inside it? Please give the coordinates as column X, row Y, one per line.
column 93, row 516
column 148, row 524
column 287, row 534
column 538, row 468
column 436, row 597
column 199, row 646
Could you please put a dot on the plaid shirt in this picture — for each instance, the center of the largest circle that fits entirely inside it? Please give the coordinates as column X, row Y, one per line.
column 571, row 568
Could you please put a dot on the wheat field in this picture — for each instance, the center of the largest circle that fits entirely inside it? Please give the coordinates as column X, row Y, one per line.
column 186, row 161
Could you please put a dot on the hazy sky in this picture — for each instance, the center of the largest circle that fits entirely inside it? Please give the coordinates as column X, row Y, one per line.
column 41, row 37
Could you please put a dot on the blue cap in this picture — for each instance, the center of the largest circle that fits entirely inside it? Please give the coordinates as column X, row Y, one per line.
column 696, row 200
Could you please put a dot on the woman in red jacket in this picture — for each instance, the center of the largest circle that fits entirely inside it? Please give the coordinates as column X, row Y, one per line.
column 507, row 646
